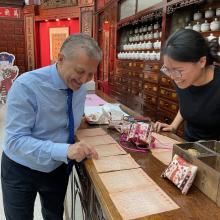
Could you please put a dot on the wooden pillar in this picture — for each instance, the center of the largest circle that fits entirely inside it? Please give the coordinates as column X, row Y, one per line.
column 29, row 13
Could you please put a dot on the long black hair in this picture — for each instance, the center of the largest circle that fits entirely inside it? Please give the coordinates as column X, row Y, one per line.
column 187, row 45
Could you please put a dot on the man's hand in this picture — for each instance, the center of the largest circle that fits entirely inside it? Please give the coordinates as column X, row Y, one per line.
column 80, row 151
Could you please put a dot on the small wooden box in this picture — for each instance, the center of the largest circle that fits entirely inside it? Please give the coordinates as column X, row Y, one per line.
column 208, row 162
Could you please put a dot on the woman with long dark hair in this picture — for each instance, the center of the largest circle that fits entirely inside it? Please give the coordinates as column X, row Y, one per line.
column 190, row 60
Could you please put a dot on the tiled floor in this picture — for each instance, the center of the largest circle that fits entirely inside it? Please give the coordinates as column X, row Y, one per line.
column 37, row 210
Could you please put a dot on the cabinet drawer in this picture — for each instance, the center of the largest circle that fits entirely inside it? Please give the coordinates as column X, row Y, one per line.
column 137, row 74
column 149, row 99
column 117, row 79
column 152, row 67
column 168, row 105
column 122, row 64
column 166, row 81
column 124, row 79
column 136, row 84
column 151, row 77
column 122, row 89
column 120, row 72
column 136, row 65
column 134, row 74
column 149, row 87
column 168, row 93
column 140, row 65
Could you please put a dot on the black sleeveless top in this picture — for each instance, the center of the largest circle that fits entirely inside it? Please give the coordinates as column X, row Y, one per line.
column 200, row 108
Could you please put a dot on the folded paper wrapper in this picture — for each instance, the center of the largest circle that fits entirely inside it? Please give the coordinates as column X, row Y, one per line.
column 103, row 114
column 181, row 173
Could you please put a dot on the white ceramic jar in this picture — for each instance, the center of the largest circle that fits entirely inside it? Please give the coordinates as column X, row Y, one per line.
column 137, row 37
column 150, row 35
column 155, row 44
column 142, row 55
column 136, row 55
column 189, row 26
column 159, row 44
column 146, row 36
column 136, row 30
column 215, row 25
column 156, row 34
column 158, row 56
column 145, row 45
column 147, row 55
column 139, row 46
column 156, row 26
column 205, row 26
column 140, row 30
column 197, row 27
column 210, row 37
column 197, row 16
column 153, row 55
column 141, row 37
column 209, row 13
column 150, row 27
column 149, row 45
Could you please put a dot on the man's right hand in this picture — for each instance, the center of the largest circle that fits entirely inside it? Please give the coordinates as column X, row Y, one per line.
column 80, row 151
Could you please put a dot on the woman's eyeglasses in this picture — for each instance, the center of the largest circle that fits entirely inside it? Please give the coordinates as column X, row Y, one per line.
column 175, row 74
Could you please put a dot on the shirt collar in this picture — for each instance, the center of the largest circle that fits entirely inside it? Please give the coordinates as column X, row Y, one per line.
column 57, row 80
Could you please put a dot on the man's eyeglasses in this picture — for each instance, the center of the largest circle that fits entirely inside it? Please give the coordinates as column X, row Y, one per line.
column 176, row 74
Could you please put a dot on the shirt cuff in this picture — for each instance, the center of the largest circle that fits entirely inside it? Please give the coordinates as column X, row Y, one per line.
column 59, row 152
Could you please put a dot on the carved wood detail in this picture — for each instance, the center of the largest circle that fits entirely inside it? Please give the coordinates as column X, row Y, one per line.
column 86, row 20
column 29, row 9
column 65, row 12
column 173, row 7
column 29, row 38
column 12, row 2
column 54, row 3
column 85, row 2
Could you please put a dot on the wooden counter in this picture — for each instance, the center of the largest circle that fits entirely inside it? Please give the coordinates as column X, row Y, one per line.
column 194, row 205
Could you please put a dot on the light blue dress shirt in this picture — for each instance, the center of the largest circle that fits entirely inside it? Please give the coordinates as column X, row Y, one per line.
column 37, row 119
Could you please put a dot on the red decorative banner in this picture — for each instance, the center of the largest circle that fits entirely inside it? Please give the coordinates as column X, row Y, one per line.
column 10, row 12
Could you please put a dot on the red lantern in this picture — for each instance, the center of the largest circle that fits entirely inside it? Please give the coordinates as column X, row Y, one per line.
column 106, row 26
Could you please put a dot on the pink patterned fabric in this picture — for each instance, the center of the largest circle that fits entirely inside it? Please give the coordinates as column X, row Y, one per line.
column 140, row 133
column 181, row 173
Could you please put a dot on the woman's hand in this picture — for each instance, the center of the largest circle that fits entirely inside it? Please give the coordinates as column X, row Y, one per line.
column 159, row 126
